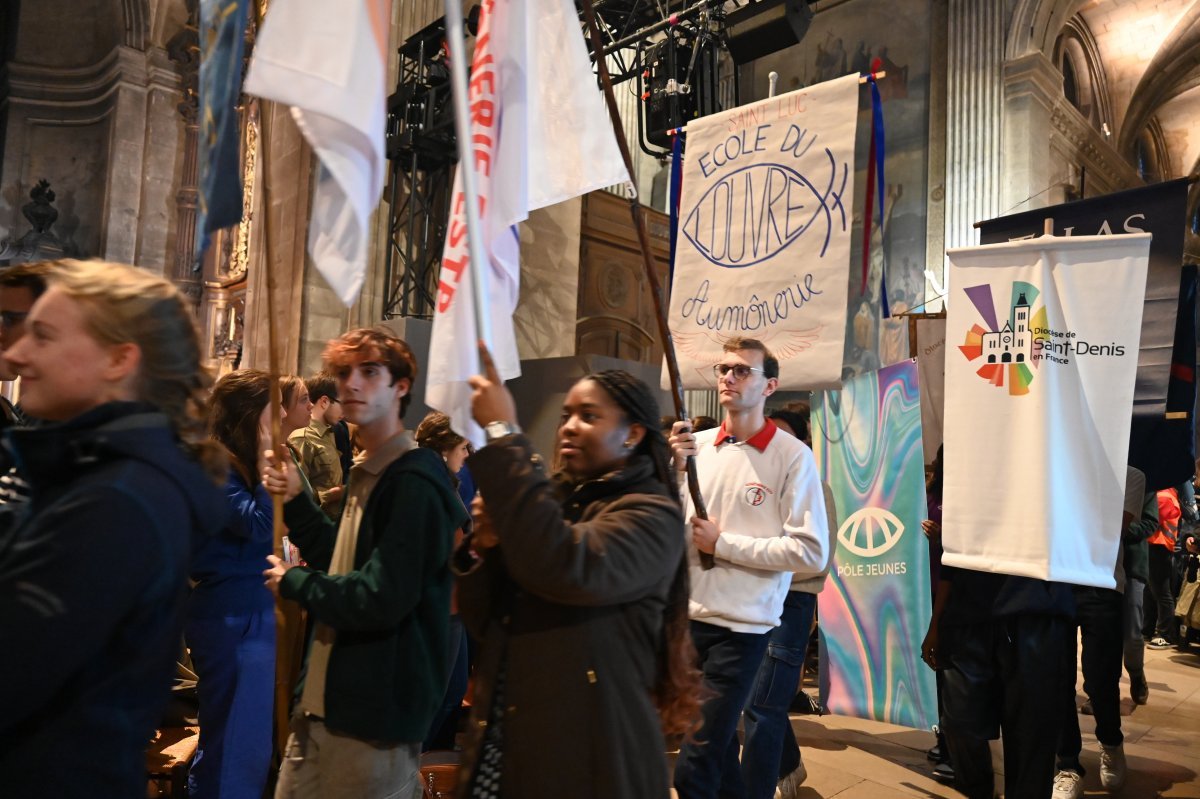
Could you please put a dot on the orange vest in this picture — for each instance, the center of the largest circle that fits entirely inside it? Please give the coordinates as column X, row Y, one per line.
column 1169, row 515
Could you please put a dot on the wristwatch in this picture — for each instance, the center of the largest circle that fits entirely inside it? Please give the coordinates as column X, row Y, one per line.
column 495, row 430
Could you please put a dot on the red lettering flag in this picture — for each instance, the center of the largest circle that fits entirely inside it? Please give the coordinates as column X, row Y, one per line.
column 540, row 135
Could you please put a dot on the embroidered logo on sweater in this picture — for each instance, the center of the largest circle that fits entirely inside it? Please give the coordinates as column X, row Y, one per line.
column 756, row 494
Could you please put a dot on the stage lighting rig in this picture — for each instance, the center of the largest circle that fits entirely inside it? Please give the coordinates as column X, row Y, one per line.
column 420, row 111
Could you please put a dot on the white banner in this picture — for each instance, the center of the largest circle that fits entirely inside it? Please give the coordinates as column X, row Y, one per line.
column 1039, row 396
column 764, row 234
column 541, row 135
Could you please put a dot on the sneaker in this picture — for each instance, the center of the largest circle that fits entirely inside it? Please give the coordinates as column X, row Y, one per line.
column 1112, row 766
column 1086, row 708
column 944, row 772
column 1158, row 642
column 1139, row 691
column 789, row 786
column 1067, row 785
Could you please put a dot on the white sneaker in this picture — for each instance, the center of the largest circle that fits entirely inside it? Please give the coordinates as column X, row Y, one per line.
column 1067, row 785
column 1112, row 766
column 789, row 786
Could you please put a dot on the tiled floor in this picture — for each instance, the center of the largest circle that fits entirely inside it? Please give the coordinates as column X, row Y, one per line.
column 851, row 758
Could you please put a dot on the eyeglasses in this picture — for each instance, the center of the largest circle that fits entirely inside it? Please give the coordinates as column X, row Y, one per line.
column 740, row 371
column 10, row 319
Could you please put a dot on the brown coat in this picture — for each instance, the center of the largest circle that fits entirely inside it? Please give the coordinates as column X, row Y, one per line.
column 572, row 604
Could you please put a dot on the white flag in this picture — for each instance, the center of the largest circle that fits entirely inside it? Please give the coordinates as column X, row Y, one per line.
column 1041, row 359
column 540, row 135
column 329, row 65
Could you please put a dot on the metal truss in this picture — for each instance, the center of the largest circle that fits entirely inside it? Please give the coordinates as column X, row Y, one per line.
column 421, row 148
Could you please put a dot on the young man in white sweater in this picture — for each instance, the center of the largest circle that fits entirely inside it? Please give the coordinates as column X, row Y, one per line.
column 766, row 521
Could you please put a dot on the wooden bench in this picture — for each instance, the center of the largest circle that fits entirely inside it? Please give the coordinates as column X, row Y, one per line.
column 439, row 774
column 167, row 759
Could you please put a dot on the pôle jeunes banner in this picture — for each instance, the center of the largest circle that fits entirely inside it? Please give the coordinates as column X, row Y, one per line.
column 876, row 604
column 1042, row 353
column 764, row 234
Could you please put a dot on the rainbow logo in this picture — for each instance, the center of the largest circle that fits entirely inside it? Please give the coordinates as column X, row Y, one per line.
column 1006, row 351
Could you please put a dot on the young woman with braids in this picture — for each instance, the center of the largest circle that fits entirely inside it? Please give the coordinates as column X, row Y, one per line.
column 230, row 626
column 586, row 666
column 93, row 573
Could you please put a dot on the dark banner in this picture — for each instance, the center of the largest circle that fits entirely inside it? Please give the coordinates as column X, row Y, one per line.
column 1162, row 441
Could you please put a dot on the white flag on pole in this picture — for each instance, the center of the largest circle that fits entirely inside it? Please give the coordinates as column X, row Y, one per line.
column 330, row 66
column 1039, row 396
column 540, row 135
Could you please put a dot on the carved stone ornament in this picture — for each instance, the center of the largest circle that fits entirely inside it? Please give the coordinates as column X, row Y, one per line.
column 40, row 243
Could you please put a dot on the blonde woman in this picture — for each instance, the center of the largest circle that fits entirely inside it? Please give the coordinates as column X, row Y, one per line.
column 92, row 576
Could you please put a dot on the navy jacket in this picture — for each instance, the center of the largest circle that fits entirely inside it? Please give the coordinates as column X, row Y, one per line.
column 227, row 567
column 92, row 581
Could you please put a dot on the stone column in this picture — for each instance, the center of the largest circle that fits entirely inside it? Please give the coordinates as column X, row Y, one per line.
column 184, row 50
column 1032, row 88
column 975, row 108
column 127, row 146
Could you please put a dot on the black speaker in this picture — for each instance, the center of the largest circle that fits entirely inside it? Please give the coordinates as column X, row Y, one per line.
column 761, row 28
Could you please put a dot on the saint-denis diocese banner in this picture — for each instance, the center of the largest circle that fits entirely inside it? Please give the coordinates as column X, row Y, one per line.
column 764, row 234
column 876, row 604
column 1042, row 347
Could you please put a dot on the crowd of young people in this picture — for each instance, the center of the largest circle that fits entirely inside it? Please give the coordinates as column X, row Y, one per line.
column 612, row 621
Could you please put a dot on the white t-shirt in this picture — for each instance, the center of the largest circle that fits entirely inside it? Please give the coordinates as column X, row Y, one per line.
column 765, row 496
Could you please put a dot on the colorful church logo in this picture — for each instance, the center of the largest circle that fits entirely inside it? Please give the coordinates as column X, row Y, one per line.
column 1006, row 351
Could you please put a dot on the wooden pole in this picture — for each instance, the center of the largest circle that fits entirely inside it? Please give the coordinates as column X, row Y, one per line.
column 289, row 621
column 639, row 224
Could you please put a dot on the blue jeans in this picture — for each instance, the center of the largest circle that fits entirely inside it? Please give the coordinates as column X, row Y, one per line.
column 707, row 767
column 234, row 658
column 770, row 751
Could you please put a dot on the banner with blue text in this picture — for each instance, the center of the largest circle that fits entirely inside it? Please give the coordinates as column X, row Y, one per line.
column 764, row 244
column 876, row 604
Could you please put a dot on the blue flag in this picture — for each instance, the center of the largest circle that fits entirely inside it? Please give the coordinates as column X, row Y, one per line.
column 222, row 40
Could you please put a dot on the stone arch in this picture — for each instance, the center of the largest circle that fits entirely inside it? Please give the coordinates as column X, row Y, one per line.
column 1077, row 56
column 1035, row 26
column 1152, row 157
column 1174, row 69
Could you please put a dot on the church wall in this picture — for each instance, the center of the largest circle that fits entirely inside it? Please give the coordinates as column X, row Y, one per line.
column 96, row 118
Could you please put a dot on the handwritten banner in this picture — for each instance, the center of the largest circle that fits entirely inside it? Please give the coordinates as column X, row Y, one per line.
column 876, row 604
column 765, row 234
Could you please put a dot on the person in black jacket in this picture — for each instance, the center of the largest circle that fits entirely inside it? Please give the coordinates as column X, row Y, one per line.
column 92, row 572
column 580, row 601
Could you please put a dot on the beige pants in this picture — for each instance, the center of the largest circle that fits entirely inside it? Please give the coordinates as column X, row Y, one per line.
column 320, row 764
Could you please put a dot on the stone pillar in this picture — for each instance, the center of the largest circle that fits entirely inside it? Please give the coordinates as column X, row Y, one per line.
column 163, row 160
column 975, row 52
column 184, row 50
column 1032, row 88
